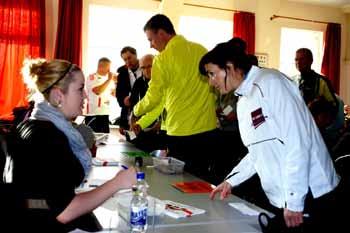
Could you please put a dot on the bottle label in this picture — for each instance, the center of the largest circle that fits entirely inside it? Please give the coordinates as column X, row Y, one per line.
column 138, row 216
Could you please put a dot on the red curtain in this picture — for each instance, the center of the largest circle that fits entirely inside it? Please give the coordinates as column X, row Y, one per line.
column 331, row 57
column 22, row 34
column 244, row 27
column 68, row 37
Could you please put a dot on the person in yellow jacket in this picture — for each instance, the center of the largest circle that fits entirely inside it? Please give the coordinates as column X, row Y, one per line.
column 188, row 99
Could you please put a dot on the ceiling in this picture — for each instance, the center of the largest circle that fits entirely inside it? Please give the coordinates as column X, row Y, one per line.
column 331, row 3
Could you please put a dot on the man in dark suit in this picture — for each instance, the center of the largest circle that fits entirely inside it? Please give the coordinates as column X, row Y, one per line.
column 127, row 75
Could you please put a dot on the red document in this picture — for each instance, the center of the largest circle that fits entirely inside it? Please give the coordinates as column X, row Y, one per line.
column 194, row 187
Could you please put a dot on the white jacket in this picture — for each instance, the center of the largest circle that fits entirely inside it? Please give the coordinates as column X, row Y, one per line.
column 284, row 143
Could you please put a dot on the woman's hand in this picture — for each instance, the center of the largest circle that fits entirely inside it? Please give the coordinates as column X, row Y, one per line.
column 224, row 188
column 292, row 218
column 126, row 178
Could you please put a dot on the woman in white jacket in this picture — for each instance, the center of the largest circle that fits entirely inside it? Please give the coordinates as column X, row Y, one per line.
column 285, row 147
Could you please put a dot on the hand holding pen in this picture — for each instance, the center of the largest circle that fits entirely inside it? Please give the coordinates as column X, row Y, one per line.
column 126, row 177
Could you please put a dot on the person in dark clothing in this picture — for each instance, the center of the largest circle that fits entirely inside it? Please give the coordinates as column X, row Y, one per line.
column 141, row 84
column 147, row 128
column 127, row 75
column 50, row 158
column 314, row 86
column 311, row 84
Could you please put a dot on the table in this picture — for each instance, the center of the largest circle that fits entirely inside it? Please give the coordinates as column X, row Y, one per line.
column 219, row 216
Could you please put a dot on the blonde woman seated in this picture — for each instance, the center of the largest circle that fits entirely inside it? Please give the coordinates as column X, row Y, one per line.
column 50, row 157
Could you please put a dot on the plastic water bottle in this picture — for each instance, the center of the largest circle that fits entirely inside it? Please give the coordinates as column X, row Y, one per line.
column 141, row 184
column 139, row 205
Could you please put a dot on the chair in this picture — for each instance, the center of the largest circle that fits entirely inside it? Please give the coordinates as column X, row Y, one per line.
column 342, row 165
column 3, row 153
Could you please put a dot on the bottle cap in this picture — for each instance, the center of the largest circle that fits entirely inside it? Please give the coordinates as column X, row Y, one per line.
column 140, row 176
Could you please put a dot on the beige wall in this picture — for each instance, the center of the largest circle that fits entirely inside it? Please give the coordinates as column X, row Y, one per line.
column 51, row 26
column 267, row 31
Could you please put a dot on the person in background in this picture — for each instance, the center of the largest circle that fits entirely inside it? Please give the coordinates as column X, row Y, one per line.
column 50, row 158
column 314, row 86
column 284, row 145
column 100, row 88
column 148, row 127
column 188, row 99
column 320, row 110
column 127, row 75
column 140, row 87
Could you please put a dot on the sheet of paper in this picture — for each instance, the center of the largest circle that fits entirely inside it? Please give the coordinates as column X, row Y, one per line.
column 244, row 209
column 179, row 210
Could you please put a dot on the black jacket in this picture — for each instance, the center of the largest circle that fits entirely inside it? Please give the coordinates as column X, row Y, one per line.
column 44, row 167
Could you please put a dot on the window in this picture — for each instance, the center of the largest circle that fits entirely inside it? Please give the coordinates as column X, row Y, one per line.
column 205, row 31
column 291, row 40
column 109, row 30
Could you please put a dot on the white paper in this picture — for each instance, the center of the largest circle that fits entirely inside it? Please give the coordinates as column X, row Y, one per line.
column 101, row 162
column 132, row 135
column 181, row 210
column 227, row 110
column 101, row 137
column 244, row 209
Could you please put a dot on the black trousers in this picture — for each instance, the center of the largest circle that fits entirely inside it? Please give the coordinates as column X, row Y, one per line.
column 150, row 141
column 324, row 214
column 229, row 150
column 99, row 123
column 197, row 151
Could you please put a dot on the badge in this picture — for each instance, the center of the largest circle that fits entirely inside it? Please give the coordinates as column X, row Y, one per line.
column 257, row 118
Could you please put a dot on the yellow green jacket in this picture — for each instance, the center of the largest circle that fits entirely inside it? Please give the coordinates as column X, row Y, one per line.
column 189, row 100
column 147, row 119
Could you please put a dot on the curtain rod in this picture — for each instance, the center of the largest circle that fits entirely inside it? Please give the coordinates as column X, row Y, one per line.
column 210, row 7
column 300, row 19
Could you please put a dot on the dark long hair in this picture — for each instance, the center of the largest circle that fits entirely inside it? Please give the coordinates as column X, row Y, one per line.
column 231, row 51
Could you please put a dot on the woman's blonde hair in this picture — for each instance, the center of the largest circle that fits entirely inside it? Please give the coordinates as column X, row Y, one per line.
column 41, row 75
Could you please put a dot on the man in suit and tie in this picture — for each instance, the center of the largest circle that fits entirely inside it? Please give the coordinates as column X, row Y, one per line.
column 127, row 75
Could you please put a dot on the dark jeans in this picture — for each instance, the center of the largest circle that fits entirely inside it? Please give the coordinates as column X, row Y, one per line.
column 99, row 123
column 197, row 151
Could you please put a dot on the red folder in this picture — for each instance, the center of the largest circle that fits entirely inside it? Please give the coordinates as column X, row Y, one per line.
column 194, row 187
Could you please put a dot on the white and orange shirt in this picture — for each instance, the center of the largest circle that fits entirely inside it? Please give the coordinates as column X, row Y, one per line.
column 98, row 104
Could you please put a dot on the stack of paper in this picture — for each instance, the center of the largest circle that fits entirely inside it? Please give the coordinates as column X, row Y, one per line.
column 178, row 210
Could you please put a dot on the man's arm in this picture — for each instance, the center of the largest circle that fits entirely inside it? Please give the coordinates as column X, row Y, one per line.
column 135, row 93
column 123, row 88
column 98, row 90
column 147, row 119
